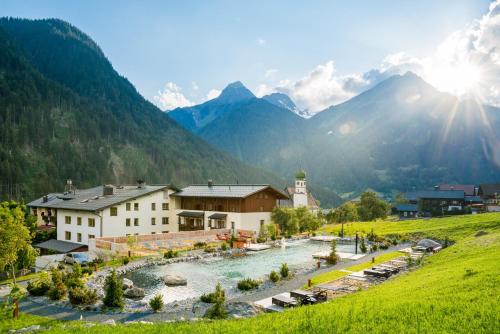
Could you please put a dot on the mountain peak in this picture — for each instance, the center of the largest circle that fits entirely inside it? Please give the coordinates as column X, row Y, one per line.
column 234, row 92
column 284, row 101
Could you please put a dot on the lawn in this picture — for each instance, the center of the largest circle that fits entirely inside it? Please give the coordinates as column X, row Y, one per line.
column 456, row 291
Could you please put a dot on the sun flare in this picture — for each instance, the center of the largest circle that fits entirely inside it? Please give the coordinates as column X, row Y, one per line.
column 458, row 79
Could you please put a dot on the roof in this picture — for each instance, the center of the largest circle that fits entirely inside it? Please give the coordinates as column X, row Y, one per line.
column 300, row 175
column 59, row 245
column 311, row 200
column 436, row 194
column 92, row 199
column 217, row 216
column 407, row 207
column 489, row 189
column 469, row 189
column 226, row 190
column 473, row 199
column 191, row 214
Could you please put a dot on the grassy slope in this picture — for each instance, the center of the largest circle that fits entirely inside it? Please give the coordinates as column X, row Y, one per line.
column 455, row 291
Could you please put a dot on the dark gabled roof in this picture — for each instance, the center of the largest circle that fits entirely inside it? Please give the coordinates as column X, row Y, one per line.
column 59, row 245
column 226, row 190
column 469, row 189
column 474, row 199
column 489, row 189
column 217, row 216
column 92, row 199
column 435, row 194
column 407, row 207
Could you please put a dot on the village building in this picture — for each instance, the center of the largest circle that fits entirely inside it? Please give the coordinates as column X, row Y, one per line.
column 490, row 194
column 298, row 195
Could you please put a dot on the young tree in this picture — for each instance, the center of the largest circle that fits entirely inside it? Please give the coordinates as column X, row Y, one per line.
column 371, row 207
column 333, row 257
column 345, row 213
column 286, row 219
column 217, row 311
column 272, row 230
column 114, row 291
column 15, row 248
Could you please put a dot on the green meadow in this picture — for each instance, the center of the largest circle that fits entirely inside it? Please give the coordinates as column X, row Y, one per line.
column 455, row 291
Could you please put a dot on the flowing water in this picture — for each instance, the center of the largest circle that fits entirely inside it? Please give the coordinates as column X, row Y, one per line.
column 203, row 275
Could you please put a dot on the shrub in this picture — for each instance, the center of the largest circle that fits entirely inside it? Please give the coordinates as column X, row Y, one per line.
column 362, row 246
column 333, row 257
column 170, row 254
column 385, row 244
column 284, row 272
column 87, row 271
column 82, row 296
column 209, row 249
column 212, row 297
column 261, row 240
column 39, row 286
column 217, row 311
column 274, row 277
column 77, row 271
column 224, row 246
column 199, row 244
column 73, row 282
column 125, row 261
column 156, row 303
column 247, row 284
column 114, row 291
column 374, row 248
column 58, row 289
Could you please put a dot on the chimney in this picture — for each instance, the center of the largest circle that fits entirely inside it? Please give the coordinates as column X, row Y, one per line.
column 140, row 184
column 436, row 187
column 45, row 199
column 210, row 183
column 107, row 190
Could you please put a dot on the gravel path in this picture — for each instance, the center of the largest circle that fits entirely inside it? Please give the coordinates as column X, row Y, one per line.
column 63, row 313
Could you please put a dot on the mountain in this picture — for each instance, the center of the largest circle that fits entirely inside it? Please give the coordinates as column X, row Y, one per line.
column 66, row 113
column 400, row 135
column 235, row 92
column 284, row 101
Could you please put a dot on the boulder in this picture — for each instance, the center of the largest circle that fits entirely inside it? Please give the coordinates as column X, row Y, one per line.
column 174, row 280
column 110, row 322
column 127, row 284
column 134, row 292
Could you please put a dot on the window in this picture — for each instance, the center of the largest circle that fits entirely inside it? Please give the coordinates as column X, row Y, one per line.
column 78, row 221
column 35, row 212
column 91, row 222
column 164, row 220
column 261, row 208
column 136, row 221
column 78, row 237
column 67, row 235
column 136, row 206
column 164, row 231
column 136, row 233
column 128, row 206
column 153, row 221
column 67, row 219
column 91, row 236
column 210, row 207
column 265, row 196
column 127, row 222
column 153, row 232
column 153, row 206
column 113, row 211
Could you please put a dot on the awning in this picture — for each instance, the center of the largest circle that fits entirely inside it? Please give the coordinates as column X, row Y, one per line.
column 218, row 216
column 191, row 214
column 59, row 246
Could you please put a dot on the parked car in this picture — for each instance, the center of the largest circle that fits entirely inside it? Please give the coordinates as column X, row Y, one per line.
column 80, row 258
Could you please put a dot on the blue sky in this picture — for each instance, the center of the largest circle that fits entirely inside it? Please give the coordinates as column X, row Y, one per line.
column 198, row 46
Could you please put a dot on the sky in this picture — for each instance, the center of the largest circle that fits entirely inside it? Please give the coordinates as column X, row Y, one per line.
column 180, row 53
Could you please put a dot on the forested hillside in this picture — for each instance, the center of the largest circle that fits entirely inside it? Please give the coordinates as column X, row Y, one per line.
column 66, row 113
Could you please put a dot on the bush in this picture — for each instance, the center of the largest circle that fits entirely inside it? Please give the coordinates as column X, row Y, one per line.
column 87, row 271
column 199, row 244
column 209, row 249
column 362, row 246
column 274, row 277
column 125, row 261
column 385, row 244
column 247, row 284
column 73, row 282
column 217, row 311
column 224, row 246
column 77, row 271
column 170, row 254
column 213, row 296
column 156, row 303
column 58, row 289
column 284, row 272
column 374, row 248
column 333, row 258
column 39, row 286
column 114, row 291
column 261, row 240
column 82, row 296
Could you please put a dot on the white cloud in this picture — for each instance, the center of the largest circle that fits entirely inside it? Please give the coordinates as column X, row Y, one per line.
column 212, row 94
column 261, row 41
column 270, row 73
column 264, row 89
column 468, row 60
column 171, row 97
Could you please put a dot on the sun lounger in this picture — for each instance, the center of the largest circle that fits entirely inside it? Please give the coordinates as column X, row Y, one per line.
column 377, row 273
column 309, row 297
column 284, row 301
column 388, row 266
column 382, row 268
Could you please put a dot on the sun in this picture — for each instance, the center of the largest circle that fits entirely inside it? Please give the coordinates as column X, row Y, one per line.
column 458, row 79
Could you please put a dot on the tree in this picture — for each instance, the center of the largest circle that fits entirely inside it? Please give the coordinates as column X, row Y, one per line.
column 362, row 245
column 330, row 216
column 16, row 251
column 307, row 220
column 401, row 199
column 333, row 257
column 217, row 311
column 114, row 291
column 371, row 207
column 286, row 219
column 272, row 230
column 156, row 303
column 347, row 212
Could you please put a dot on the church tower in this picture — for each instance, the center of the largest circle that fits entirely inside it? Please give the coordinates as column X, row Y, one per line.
column 300, row 193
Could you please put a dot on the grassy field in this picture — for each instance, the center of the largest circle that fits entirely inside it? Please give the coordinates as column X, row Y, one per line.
column 456, row 291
